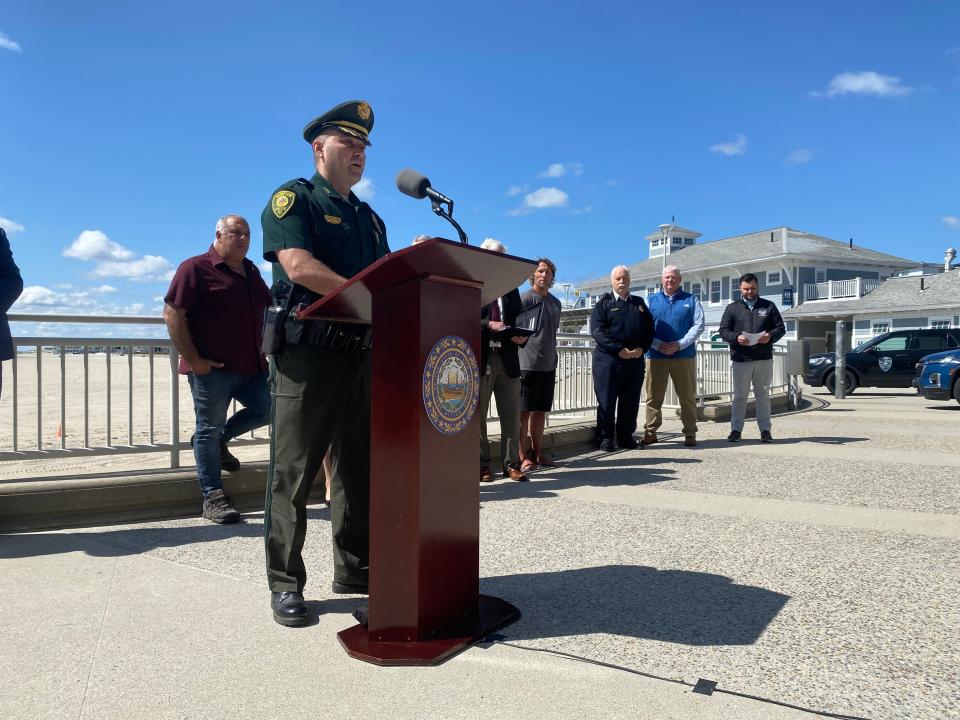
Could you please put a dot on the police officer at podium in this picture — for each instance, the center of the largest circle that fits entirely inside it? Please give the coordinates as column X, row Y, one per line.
column 317, row 234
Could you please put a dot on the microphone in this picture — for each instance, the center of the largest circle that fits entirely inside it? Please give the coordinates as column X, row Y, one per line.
column 416, row 185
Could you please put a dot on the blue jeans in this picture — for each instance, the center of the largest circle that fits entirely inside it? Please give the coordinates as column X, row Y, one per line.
column 212, row 394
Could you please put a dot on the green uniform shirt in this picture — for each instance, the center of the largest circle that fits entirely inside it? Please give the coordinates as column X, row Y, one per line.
column 344, row 234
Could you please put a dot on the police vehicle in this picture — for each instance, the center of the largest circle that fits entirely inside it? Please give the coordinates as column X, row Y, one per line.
column 887, row 360
column 938, row 376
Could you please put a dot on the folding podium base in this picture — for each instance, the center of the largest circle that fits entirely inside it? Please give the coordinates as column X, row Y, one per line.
column 494, row 614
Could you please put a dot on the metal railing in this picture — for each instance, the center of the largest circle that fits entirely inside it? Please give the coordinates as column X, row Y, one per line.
column 834, row 289
column 66, row 397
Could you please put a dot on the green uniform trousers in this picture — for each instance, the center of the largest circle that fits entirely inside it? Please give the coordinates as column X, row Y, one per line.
column 321, row 399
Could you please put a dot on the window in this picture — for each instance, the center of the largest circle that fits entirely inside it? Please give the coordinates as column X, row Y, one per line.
column 695, row 289
column 821, row 275
column 715, row 291
column 892, row 344
column 773, row 278
column 878, row 328
column 939, row 324
column 734, row 288
column 931, row 342
column 688, row 241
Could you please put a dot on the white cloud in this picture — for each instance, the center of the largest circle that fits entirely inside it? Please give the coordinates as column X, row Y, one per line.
column 556, row 170
column 516, row 190
column 365, row 189
column 799, row 156
column 103, row 289
column 611, row 183
column 951, row 221
column 546, row 197
column 134, row 309
column 864, row 83
column 952, row 51
column 266, row 268
column 11, row 226
column 95, row 245
column 148, row 268
column 737, row 147
column 38, row 295
column 553, row 171
column 582, row 211
column 7, row 44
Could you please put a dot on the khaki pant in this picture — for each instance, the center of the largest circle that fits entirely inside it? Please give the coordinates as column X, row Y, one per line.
column 507, row 392
column 683, row 373
column 757, row 373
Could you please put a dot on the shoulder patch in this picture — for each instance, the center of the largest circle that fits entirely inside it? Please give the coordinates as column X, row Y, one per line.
column 282, row 202
column 333, row 219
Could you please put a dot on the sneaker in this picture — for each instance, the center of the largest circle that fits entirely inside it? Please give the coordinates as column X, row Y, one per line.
column 765, row 436
column 734, row 436
column 607, row 446
column 228, row 460
column 649, row 438
column 217, row 508
column 690, row 441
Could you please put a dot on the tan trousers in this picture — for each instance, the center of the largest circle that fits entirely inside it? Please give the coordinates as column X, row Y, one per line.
column 683, row 373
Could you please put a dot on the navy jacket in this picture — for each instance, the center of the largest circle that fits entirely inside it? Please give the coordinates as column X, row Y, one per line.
column 11, row 285
column 618, row 325
column 738, row 318
column 508, row 348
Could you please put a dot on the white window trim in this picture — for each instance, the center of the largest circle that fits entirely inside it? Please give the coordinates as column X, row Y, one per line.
column 779, row 274
column 947, row 320
column 710, row 292
column 874, row 332
column 817, row 271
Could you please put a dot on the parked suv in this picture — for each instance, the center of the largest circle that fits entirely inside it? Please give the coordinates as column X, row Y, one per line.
column 888, row 360
column 938, row 376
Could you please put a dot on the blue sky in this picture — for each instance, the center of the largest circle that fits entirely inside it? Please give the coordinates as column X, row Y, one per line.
column 566, row 129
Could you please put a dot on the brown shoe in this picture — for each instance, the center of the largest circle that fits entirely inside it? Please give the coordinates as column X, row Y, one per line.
column 690, row 441
column 486, row 475
column 649, row 438
column 514, row 474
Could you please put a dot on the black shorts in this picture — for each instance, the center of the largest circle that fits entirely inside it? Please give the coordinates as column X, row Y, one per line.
column 536, row 390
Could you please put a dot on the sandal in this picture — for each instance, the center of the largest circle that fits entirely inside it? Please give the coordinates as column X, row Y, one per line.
column 528, row 466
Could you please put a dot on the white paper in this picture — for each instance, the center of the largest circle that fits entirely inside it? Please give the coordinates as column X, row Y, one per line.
column 752, row 338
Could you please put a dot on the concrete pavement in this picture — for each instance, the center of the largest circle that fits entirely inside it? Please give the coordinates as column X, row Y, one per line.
column 821, row 571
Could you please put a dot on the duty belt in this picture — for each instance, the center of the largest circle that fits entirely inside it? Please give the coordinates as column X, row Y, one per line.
column 344, row 336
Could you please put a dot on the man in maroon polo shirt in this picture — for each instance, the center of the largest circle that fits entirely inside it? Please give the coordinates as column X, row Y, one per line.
column 214, row 312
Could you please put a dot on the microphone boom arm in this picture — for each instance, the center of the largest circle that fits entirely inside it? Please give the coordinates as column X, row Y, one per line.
column 447, row 215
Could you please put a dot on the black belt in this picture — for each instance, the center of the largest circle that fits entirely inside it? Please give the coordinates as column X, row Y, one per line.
column 326, row 333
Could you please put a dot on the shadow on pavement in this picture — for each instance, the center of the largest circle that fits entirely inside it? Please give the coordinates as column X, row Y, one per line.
column 131, row 541
column 677, row 606
column 616, row 470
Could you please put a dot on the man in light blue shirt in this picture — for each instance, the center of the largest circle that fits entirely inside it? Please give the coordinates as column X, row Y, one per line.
column 677, row 323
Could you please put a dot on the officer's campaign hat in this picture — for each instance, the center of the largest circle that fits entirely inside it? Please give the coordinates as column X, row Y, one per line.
column 354, row 118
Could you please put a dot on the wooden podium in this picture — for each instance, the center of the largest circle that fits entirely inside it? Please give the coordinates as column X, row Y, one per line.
column 424, row 304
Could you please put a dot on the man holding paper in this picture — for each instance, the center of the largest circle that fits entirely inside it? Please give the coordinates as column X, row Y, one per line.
column 751, row 325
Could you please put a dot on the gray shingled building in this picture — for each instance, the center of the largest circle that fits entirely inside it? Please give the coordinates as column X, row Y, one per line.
column 793, row 267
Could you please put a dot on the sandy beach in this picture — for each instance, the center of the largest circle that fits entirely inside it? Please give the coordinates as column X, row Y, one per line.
column 132, row 419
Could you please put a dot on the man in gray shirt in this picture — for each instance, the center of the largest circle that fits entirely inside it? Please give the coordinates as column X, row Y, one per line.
column 538, row 365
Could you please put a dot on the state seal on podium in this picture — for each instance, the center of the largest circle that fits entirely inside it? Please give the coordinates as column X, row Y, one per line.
column 451, row 384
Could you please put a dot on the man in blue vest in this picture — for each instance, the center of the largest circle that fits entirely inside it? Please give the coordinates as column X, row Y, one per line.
column 677, row 323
